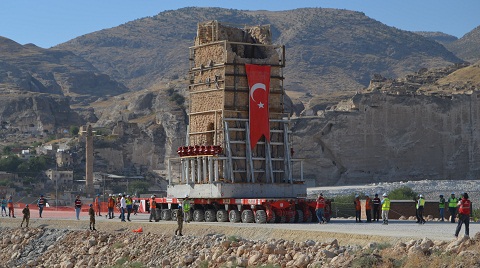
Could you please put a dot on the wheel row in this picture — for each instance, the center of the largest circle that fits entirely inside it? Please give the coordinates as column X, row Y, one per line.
column 245, row 216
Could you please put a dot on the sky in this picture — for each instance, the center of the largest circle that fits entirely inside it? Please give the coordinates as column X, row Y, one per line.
column 47, row 23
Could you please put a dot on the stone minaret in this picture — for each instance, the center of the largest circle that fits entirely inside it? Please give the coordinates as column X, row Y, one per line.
column 89, row 190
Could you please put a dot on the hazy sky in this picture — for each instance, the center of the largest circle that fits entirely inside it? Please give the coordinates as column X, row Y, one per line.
column 49, row 22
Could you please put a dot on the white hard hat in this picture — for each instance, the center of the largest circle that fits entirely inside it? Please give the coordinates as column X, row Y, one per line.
column 356, row 195
column 152, row 196
column 128, row 195
column 186, row 195
column 384, row 194
column 420, row 195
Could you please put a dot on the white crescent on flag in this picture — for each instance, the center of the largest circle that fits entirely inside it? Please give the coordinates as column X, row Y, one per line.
column 255, row 87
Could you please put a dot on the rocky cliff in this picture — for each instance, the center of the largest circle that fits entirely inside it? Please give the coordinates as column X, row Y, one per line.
column 392, row 134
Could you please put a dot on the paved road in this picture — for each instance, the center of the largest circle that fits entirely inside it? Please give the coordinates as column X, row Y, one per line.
column 396, row 230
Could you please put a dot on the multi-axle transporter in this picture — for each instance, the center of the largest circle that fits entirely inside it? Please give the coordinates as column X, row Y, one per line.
column 237, row 164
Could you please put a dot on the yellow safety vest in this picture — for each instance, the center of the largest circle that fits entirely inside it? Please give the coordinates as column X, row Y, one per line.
column 386, row 204
column 452, row 202
column 422, row 202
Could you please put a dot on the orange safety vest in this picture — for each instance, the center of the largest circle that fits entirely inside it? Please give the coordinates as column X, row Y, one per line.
column 153, row 203
column 464, row 207
column 368, row 203
column 357, row 205
column 320, row 202
column 111, row 203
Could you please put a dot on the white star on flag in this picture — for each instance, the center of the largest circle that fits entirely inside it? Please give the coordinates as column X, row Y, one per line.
column 260, row 105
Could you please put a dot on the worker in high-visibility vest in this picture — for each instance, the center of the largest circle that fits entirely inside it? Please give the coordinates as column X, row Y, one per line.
column 464, row 210
column 186, row 208
column 385, row 208
column 420, row 207
column 452, row 207
column 441, row 207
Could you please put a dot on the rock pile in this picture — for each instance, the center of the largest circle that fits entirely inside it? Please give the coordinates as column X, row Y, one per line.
column 40, row 247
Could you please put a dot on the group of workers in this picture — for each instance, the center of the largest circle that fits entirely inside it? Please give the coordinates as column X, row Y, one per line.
column 373, row 206
column 463, row 205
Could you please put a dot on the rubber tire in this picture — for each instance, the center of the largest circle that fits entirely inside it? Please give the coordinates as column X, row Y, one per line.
column 210, row 215
column 158, row 214
column 234, row 216
column 292, row 219
column 167, row 214
column 314, row 215
column 299, row 216
column 272, row 220
column 247, row 216
column 308, row 218
column 199, row 215
column 261, row 216
column 222, row 215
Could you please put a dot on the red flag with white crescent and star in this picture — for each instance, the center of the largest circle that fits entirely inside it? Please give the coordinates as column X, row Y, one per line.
column 259, row 84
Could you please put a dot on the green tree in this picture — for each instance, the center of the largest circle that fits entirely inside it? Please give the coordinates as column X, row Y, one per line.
column 10, row 163
column 7, row 150
column 74, row 130
column 139, row 187
column 402, row 193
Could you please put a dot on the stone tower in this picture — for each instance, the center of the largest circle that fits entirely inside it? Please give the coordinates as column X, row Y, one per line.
column 89, row 189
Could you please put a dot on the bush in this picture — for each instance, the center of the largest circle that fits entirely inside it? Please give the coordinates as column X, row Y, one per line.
column 402, row 193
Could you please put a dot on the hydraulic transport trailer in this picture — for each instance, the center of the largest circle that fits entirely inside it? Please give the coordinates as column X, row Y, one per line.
column 237, row 162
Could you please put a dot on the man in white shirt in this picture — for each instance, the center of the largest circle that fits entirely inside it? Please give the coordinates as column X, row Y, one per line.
column 123, row 207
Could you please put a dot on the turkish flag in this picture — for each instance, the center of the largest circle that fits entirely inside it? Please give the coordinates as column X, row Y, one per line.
column 259, row 84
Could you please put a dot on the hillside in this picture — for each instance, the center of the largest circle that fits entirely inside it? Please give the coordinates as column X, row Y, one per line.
column 328, row 50
column 439, row 37
column 466, row 47
column 33, row 69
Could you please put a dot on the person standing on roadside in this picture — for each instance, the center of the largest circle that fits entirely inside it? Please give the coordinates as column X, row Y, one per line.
column 91, row 213
column 186, row 208
column 97, row 204
column 78, row 207
column 26, row 216
column 452, row 207
column 123, row 208
column 4, row 206
column 421, row 205
column 129, row 203
column 376, row 207
column 153, row 206
column 368, row 207
column 441, row 207
column 358, row 209
column 319, row 208
column 111, row 207
column 41, row 204
column 179, row 221
column 385, row 208
column 11, row 211
column 464, row 209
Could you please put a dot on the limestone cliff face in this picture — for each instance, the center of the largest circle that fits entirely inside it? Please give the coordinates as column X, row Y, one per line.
column 36, row 113
column 148, row 127
column 389, row 138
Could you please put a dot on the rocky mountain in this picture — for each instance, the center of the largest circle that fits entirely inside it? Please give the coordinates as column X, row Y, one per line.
column 328, row 50
column 466, row 47
column 30, row 68
column 439, row 37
